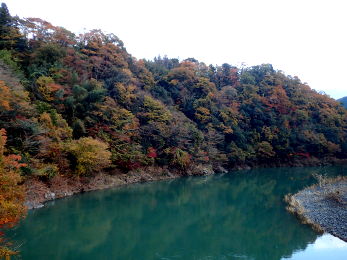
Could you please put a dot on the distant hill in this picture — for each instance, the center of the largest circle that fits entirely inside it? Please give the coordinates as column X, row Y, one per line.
column 343, row 101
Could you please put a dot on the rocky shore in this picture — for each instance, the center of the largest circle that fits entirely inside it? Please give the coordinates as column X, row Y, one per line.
column 323, row 206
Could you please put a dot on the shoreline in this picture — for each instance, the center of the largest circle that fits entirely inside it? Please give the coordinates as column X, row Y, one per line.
column 38, row 192
column 323, row 206
column 61, row 186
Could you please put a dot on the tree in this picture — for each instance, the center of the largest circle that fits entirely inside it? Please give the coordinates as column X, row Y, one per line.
column 10, row 37
column 179, row 158
column 154, row 110
column 89, row 155
column 11, row 193
column 264, row 150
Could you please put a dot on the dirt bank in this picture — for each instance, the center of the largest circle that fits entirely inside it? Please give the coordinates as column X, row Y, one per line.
column 38, row 191
column 323, row 206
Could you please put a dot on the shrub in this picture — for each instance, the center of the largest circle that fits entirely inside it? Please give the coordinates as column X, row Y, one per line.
column 89, row 155
column 47, row 171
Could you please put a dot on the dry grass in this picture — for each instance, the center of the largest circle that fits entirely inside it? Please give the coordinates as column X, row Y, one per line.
column 295, row 207
column 328, row 190
column 324, row 180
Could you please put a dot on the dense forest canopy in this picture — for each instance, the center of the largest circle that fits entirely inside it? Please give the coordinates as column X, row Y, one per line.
column 83, row 104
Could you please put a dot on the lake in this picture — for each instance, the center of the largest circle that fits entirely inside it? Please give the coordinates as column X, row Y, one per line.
column 240, row 215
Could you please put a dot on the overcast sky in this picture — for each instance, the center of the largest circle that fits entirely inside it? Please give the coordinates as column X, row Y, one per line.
column 304, row 38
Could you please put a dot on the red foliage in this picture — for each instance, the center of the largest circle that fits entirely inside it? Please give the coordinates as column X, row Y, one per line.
column 152, row 152
column 306, row 155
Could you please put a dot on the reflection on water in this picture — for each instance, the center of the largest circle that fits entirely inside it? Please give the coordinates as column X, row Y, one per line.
column 325, row 247
column 233, row 216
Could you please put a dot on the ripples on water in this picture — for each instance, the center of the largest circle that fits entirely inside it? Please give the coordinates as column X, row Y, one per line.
column 240, row 215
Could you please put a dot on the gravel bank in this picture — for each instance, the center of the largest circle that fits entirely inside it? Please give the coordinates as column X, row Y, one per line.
column 324, row 207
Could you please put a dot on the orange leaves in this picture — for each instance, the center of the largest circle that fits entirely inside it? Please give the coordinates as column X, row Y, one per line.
column 181, row 74
column 11, row 194
column 47, row 87
column 13, row 99
column 3, row 139
column 104, row 53
column 5, row 96
column 203, row 114
column 12, row 162
column 41, row 30
column 6, row 220
column 278, row 100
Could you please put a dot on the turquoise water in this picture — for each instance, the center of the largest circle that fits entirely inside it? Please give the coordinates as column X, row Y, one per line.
column 240, row 215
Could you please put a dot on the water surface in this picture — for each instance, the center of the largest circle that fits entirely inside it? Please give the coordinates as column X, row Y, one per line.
column 240, row 215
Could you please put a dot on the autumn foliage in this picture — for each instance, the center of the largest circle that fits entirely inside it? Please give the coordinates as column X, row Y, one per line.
column 90, row 155
column 11, row 193
column 87, row 105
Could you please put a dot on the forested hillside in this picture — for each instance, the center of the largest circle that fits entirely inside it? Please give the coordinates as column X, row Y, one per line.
column 78, row 104
column 84, row 103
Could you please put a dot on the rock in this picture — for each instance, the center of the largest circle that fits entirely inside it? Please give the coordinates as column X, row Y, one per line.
column 69, row 193
column 221, row 169
column 50, row 196
column 33, row 205
column 207, row 171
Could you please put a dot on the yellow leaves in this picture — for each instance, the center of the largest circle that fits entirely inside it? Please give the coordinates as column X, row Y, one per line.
column 264, row 150
column 96, row 85
column 90, row 154
column 125, row 93
column 174, row 82
column 205, row 88
column 59, row 130
column 119, row 119
column 268, row 133
column 47, row 87
column 126, row 121
column 155, row 110
column 203, row 114
column 46, row 120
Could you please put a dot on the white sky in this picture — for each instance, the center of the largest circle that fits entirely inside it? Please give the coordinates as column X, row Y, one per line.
column 304, row 38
